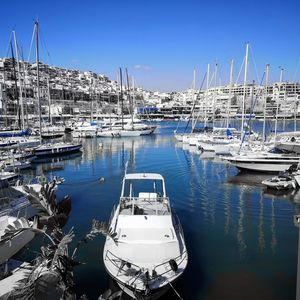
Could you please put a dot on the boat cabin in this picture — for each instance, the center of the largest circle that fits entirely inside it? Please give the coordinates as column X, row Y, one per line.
column 144, row 194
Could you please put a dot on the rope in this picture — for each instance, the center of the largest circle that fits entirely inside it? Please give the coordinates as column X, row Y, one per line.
column 250, row 117
column 8, row 45
column 240, row 71
column 254, row 63
column 296, row 71
column 192, row 111
column 175, row 291
column 43, row 43
column 31, row 43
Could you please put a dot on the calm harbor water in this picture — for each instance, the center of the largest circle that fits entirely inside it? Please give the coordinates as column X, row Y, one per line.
column 241, row 241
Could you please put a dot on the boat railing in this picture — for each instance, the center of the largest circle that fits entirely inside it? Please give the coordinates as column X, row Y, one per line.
column 115, row 258
column 177, row 223
column 112, row 214
column 179, row 259
column 139, row 273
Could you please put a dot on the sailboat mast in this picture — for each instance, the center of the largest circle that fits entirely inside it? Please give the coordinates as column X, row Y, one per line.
column 121, row 95
column 215, row 91
column 129, row 97
column 244, row 95
column 207, row 86
column 49, row 101
column 296, row 108
column 24, row 69
column 230, row 90
column 38, row 76
column 194, row 100
column 19, row 77
column 277, row 102
column 16, row 85
column 265, row 102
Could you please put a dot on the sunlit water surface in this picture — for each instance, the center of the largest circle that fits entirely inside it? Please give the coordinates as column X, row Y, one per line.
column 241, row 241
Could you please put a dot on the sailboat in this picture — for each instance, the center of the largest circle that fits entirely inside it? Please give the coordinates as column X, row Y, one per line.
column 16, row 135
column 220, row 140
column 146, row 251
column 51, row 148
column 50, row 131
column 127, row 128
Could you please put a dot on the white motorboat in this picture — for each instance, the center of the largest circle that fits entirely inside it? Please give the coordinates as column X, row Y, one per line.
column 289, row 179
column 280, row 182
column 9, row 247
column 12, row 165
column 147, row 252
column 84, row 130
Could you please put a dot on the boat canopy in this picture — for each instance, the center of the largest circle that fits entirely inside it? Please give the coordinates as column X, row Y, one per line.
column 148, row 177
column 145, row 176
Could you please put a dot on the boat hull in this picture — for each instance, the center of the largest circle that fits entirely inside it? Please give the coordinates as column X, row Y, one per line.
column 10, row 247
column 154, row 294
column 280, row 185
column 133, row 133
column 262, row 167
column 57, row 151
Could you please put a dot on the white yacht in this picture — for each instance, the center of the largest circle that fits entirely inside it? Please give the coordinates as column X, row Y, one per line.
column 262, row 161
column 147, row 251
column 84, row 130
column 221, row 141
column 127, row 128
column 53, row 132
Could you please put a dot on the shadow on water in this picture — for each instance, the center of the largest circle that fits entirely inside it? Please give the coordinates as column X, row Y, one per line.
column 248, row 178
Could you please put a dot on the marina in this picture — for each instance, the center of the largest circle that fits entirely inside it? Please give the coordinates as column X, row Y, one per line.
column 149, row 151
column 236, row 233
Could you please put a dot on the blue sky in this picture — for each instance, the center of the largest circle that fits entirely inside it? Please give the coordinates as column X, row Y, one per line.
column 160, row 42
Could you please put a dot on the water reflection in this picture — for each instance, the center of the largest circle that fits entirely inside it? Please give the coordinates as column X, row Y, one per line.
column 230, row 221
column 273, row 227
column 240, row 230
column 261, row 235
